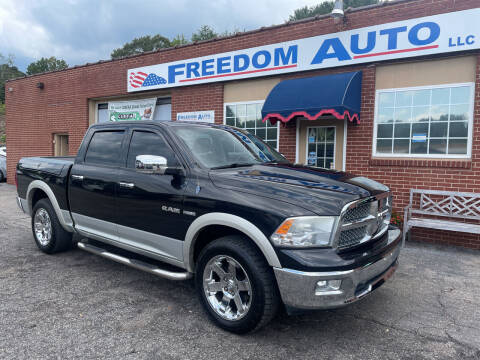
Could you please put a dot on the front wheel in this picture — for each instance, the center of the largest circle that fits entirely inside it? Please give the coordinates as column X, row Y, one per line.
column 48, row 233
column 236, row 285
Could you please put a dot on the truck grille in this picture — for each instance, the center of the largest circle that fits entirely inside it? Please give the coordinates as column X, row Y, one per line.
column 364, row 220
column 351, row 237
column 357, row 213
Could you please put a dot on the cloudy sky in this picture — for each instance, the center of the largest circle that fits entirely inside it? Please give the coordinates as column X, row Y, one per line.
column 81, row 31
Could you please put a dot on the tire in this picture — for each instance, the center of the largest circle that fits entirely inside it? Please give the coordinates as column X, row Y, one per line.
column 55, row 238
column 2, row 178
column 251, row 268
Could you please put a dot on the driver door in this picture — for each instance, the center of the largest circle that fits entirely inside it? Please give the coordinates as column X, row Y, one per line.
column 149, row 206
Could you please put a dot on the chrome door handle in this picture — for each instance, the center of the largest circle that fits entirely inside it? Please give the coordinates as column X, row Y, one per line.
column 77, row 177
column 126, row 185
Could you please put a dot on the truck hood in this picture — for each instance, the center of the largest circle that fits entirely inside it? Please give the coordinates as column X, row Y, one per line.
column 321, row 191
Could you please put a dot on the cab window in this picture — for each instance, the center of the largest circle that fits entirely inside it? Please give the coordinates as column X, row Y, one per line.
column 149, row 143
column 105, row 148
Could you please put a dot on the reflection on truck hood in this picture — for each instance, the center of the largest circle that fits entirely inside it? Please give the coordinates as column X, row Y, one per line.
column 319, row 190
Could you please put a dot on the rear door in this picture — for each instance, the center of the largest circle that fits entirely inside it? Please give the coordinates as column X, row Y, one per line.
column 93, row 183
column 149, row 206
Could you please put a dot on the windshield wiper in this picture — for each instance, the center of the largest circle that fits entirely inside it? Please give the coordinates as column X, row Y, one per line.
column 234, row 165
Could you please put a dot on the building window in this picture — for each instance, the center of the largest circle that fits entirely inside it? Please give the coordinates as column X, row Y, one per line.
column 248, row 116
column 434, row 121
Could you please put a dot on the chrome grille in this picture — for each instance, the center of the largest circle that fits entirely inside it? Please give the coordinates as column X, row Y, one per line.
column 364, row 220
column 357, row 213
column 352, row 237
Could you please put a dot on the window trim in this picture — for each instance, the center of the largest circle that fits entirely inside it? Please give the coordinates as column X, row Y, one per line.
column 427, row 156
column 248, row 103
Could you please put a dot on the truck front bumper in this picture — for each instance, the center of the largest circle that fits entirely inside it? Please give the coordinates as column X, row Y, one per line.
column 303, row 290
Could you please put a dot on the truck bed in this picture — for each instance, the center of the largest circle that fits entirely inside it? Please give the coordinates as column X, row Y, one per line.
column 54, row 171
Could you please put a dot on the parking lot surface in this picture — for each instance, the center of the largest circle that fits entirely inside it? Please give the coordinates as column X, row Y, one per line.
column 78, row 305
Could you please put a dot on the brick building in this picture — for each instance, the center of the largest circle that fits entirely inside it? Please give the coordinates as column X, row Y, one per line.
column 418, row 96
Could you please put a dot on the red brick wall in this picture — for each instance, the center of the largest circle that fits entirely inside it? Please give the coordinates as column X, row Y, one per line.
column 403, row 175
column 199, row 98
column 33, row 115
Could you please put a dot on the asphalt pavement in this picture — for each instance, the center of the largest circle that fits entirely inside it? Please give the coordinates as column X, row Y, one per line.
column 78, row 305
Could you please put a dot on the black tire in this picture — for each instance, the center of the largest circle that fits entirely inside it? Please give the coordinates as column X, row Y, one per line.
column 265, row 297
column 60, row 240
column 2, row 178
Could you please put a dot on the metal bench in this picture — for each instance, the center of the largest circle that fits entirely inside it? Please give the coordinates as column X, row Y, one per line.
column 448, row 204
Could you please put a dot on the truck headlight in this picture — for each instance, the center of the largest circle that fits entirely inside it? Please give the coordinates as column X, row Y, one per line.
column 306, row 231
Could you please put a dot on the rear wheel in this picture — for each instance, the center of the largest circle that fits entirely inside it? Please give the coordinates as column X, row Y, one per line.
column 236, row 285
column 48, row 233
column 2, row 178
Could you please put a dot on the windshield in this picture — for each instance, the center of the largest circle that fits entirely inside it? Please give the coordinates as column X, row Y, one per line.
column 226, row 147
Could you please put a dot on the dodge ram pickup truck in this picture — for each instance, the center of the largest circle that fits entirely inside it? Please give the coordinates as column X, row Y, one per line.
column 215, row 203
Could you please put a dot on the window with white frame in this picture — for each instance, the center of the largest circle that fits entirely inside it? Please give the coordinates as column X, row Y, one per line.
column 248, row 116
column 434, row 121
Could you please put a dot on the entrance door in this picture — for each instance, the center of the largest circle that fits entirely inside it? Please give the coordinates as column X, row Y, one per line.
column 61, row 145
column 321, row 146
column 321, row 143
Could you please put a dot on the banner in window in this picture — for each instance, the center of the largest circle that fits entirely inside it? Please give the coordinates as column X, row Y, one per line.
column 142, row 109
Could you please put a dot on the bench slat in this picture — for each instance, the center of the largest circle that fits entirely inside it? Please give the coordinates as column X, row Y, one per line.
column 444, row 225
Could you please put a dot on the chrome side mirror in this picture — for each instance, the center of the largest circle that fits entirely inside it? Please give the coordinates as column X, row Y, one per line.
column 150, row 164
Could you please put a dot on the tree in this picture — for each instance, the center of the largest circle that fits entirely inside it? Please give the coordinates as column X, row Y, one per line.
column 178, row 40
column 204, row 33
column 140, row 45
column 7, row 71
column 326, row 7
column 46, row 64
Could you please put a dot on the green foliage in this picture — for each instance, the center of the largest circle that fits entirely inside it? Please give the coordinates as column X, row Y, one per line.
column 7, row 71
column 150, row 43
column 142, row 44
column 46, row 64
column 178, row 40
column 326, row 7
column 204, row 33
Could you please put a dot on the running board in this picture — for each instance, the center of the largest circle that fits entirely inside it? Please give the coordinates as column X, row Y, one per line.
column 137, row 264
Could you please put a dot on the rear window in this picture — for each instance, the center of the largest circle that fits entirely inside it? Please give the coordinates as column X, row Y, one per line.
column 105, row 148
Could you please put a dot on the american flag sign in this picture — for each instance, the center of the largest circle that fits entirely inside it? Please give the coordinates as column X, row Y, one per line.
column 139, row 79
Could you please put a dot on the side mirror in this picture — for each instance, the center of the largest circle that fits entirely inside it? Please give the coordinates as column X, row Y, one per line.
column 150, row 164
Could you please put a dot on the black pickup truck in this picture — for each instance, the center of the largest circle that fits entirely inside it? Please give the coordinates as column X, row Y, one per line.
column 182, row 199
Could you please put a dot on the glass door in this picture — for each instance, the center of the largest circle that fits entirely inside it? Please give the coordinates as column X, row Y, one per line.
column 321, row 146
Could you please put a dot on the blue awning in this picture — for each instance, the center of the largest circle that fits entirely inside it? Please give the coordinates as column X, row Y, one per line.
column 337, row 95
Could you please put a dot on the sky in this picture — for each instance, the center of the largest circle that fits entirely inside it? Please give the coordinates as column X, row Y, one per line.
column 81, row 31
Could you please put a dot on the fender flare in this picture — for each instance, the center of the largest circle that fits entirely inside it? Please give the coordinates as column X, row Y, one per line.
column 63, row 215
column 234, row 222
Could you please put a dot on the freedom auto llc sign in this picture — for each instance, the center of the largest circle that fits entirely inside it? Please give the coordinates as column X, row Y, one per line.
column 457, row 31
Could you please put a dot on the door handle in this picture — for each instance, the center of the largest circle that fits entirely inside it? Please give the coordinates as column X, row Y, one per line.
column 126, row 185
column 77, row 177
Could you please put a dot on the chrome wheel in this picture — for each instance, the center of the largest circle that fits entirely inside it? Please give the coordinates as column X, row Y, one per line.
column 42, row 227
column 227, row 287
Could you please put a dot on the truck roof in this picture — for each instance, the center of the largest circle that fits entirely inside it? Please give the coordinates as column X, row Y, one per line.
column 161, row 123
